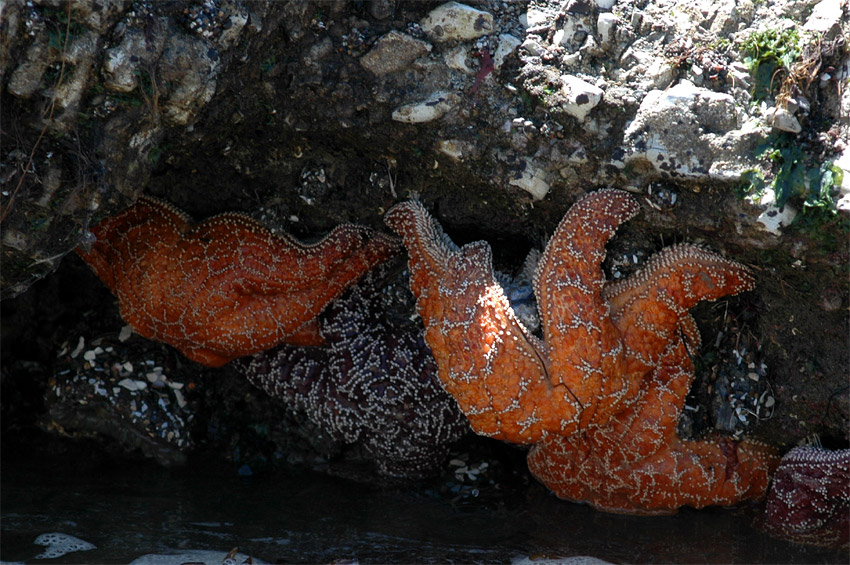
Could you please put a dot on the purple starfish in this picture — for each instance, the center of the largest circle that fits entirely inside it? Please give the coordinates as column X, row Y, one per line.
column 372, row 384
column 809, row 500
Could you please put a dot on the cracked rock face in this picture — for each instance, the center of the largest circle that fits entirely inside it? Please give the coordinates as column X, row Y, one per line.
column 699, row 147
column 314, row 114
column 91, row 91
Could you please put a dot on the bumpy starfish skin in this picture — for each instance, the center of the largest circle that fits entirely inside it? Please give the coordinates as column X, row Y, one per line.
column 601, row 394
column 372, row 384
column 226, row 287
column 638, row 465
column 809, row 500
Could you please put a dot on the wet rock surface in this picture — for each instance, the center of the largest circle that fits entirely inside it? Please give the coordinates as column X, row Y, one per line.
column 289, row 111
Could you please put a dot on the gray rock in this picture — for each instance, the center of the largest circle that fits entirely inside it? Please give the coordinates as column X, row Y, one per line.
column 100, row 15
column 187, row 63
column 393, row 52
column 26, row 78
column 783, row 120
column 121, row 64
column 826, row 18
column 688, row 131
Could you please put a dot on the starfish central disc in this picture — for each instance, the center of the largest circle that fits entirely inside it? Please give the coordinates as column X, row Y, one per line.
column 226, row 287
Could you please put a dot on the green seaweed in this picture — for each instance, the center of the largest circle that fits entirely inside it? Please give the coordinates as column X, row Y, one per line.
column 770, row 52
column 796, row 174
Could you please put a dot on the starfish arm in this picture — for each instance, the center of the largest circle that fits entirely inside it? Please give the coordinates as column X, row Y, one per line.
column 649, row 423
column 648, row 307
column 226, row 287
column 486, row 359
column 650, row 417
column 124, row 240
column 698, row 474
column 253, row 289
column 585, row 352
column 638, row 465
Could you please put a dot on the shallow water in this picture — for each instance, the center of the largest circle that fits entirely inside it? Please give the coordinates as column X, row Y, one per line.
column 131, row 511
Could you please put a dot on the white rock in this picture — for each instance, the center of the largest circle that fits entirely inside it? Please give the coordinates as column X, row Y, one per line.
column 432, row 108
column 773, row 219
column 783, row 120
column 581, row 96
column 558, row 37
column 451, row 148
column 181, row 400
column 605, row 4
column 825, row 16
column 534, row 18
column 455, row 21
column 507, row 45
column 59, row 544
column 843, row 204
column 133, row 385
column 456, row 59
column 574, row 32
column 605, row 27
column 532, row 180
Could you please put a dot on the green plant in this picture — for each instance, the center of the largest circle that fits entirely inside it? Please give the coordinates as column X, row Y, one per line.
column 769, row 53
column 796, row 175
column 268, row 64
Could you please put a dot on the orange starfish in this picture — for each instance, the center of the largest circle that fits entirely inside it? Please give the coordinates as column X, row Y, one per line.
column 600, row 395
column 226, row 287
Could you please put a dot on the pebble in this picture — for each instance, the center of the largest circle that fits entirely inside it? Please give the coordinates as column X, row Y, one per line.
column 532, row 179
column 581, row 96
column 454, row 21
column 125, row 333
column 393, row 52
column 781, row 119
column 80, row 345
column 605, row 27
column 451, row 148
column 773, row 218
column 133, row 385
column 432, row 108
column 507, row 45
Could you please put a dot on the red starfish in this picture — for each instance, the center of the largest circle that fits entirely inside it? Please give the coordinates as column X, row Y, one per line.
column 600, row 395
column 226, row 287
